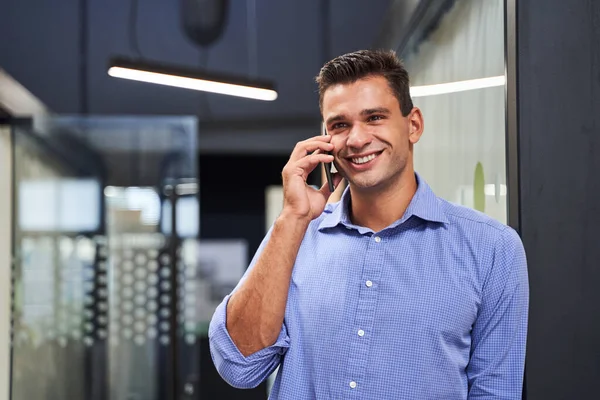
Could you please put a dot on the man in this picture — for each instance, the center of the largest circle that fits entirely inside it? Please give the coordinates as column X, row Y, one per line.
column 390, row 293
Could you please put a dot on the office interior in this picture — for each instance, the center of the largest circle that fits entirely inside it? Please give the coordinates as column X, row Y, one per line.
column 128, row 209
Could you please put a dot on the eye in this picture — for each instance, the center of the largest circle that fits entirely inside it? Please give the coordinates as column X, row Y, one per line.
column 339, row 125
column 375, row 118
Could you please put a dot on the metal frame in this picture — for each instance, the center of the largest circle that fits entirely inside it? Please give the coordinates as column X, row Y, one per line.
column 173, row 377
column 6, row 251
column 512, row 117
column 513, row 180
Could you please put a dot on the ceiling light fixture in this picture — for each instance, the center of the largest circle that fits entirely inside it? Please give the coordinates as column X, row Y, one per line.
column 181, row 77
column 460, row 86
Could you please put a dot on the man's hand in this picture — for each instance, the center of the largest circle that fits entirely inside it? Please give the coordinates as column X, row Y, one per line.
column 299, row 199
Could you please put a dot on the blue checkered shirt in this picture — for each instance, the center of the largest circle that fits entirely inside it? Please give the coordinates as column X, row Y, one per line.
column 432, row 307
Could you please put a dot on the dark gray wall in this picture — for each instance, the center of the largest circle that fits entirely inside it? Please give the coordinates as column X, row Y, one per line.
column 559, row 137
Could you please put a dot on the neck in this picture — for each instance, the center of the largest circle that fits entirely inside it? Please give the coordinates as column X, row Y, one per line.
column 378, row 209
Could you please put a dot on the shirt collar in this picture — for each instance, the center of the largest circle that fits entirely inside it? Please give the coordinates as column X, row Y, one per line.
column 424, row 204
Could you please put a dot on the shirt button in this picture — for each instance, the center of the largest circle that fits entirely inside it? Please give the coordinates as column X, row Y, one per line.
column 377, row 239
column 353, row 385
column 369, row 283
column 361, row 332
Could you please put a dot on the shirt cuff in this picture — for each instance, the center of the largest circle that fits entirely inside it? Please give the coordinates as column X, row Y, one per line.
column 224, row 345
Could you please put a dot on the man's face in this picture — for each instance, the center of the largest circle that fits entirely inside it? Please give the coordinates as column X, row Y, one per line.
column 373, row 141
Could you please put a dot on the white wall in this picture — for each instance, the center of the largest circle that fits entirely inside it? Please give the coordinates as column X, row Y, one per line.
column 466, row 128
column 18, row 102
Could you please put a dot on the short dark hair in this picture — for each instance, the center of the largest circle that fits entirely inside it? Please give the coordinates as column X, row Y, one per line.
column 350, row 67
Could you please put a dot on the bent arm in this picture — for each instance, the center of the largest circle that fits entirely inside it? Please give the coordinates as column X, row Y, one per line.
column 255, row 311
column 247, row 332
column 242, row 372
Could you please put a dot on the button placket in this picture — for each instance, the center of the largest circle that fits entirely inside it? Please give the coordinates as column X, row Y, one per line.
column 365, row 311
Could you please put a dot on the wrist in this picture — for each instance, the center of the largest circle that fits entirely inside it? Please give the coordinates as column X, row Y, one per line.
column 290, row 219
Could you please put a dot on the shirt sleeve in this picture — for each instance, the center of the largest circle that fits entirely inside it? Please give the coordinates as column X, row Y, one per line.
column 236, row 369
column 499, row 335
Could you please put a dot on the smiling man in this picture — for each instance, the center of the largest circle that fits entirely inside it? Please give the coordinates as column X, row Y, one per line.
column 390, row 293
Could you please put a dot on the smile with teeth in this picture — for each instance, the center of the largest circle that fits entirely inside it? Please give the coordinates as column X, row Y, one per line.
column 362, row 160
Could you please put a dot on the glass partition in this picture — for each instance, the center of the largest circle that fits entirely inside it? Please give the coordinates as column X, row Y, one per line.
column 457, row 75
column 105, row 295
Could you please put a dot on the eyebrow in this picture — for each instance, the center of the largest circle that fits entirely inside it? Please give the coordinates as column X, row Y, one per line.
column 377, row 110
column 364, row 113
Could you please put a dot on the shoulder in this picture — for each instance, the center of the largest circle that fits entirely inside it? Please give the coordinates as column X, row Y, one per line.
column 496, row 248
column 480, row 230
column 462, row 215
column 470, row 222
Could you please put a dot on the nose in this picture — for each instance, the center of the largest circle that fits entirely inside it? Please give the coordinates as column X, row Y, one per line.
column 358, row 138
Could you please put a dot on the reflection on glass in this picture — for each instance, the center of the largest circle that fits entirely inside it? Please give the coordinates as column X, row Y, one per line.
column 462, row 151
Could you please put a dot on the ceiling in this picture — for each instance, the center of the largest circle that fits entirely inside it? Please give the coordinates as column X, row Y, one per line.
column 60, row 51
column 44, row 53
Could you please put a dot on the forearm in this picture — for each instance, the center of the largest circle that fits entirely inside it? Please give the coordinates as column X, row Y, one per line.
column 256, row 310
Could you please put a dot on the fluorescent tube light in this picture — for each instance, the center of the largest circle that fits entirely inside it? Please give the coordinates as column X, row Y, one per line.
column 185, row 78
column 460, row 86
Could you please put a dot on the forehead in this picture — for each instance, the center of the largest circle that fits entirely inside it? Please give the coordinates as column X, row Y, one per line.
column 366, row 93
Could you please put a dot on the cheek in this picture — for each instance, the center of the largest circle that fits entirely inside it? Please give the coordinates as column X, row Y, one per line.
column 338, row 143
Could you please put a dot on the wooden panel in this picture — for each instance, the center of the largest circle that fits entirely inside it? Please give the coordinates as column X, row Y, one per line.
column 559, row 139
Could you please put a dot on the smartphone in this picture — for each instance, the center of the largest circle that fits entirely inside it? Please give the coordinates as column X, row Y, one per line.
column 328, row 166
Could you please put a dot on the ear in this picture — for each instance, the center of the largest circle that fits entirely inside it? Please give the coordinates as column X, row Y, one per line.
column 415, row 125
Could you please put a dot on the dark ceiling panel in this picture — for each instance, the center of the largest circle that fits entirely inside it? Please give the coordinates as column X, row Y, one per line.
column 355, row 24
column 39, row 48
column 42, row 53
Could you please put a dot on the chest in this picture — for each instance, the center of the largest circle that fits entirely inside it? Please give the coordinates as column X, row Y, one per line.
column 384, row 284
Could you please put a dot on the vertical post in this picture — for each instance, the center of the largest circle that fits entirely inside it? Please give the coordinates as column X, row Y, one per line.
column 174, row 314
column 6, row 252
column 512, row 125
column 512, row 136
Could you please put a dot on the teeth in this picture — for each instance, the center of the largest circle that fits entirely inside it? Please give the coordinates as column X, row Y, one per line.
column 363, row 160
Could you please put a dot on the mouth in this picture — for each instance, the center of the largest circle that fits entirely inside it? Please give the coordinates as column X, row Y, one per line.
column 364, row 160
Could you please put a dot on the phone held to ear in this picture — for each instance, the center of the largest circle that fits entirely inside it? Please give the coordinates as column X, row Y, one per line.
column 328, row 166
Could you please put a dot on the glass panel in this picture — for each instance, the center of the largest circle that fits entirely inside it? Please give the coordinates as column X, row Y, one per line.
column 100, row 282
column 462, row 151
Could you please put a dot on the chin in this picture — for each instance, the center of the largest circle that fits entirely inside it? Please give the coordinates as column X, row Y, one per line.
column 366, row 185
column 374, row 183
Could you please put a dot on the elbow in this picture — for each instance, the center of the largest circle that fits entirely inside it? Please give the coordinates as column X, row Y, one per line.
column 254, row 346
column 239, row 378
column 240, row 370
column 243, row 372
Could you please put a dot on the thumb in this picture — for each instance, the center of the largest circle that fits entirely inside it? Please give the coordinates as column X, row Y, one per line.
column 337, row 179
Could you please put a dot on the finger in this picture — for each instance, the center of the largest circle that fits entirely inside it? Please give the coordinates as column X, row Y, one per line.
column 337, row 179
column 308, row 146
column 308, row 163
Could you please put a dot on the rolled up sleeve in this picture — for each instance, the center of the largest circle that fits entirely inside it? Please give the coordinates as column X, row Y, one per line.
column 239, row 371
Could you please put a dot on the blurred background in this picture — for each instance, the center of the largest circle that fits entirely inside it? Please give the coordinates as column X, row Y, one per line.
column 130, row 209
